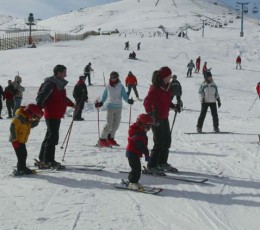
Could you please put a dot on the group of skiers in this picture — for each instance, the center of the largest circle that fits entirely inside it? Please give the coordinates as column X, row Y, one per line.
column 52, row 101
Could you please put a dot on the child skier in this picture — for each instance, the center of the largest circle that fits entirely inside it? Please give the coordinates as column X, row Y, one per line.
column 137, row 145
column 25, row 118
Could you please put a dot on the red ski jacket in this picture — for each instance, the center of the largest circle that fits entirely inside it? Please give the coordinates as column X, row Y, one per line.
column 238, row 60
column 137, row 141
column 158, row 101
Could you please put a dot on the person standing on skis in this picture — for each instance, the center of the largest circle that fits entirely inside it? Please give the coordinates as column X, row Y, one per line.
column 136, row 147
column 114, row 92
column 25, row 118
column 208, row 93
column 131, row 83
column 158, row 103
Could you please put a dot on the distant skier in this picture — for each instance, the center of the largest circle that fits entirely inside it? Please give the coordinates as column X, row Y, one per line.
column 205, row 69
column 127, row 45
column 132, row 55
column 197, row 69
column 2, row 96
column 190, row 67
column 87, row 72
column 136, row 147
column 238, row 62
column 18, row 92
column 258, row 89
column 131, row 83
column 177, row 90
column 80, row 94
column 9, row 94
column 138, row 45
column 208, row 93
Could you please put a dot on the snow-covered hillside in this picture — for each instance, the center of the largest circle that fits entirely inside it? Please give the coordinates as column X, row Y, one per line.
column 87, row 199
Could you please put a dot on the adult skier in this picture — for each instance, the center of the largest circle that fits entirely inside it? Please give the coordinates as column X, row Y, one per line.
column 87, row 72
column 190, row 67
column 208, row 93
column 131, row 83
column 80, row 94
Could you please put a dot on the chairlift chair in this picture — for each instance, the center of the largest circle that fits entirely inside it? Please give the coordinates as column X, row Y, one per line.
column 245, row 9
column 255, row 10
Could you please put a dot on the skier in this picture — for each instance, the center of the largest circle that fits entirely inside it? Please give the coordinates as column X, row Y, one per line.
column 25, row 118
column 18, row 92
column 132, row 55
column 53, row 99
column 1, row 103
column 114, row 92
column 238, row 62
column 137, row 145
column 158, row 103
column 190, row 67
column 197, row 70
column 9, row 94
column 131, row 83
column 138, row 45
column 208, row 93
column 258, row 89
column 177, row 90
column 127, row 45
column 205, row 69
column 80, row 94
column 87, row 72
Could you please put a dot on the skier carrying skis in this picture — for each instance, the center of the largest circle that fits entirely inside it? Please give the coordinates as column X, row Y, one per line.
column 190, row 67
column 25, row 118
column 238, row 62
column 131, row 83
column 158, row 103
column 137, row 145
column 208, row 93
column 197, row 70
column 114, row 92
column 80, row 94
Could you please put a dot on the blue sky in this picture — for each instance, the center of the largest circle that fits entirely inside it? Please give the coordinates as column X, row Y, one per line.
column 43, row 9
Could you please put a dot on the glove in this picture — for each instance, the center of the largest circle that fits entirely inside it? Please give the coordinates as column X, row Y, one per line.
column 148, row 158
column 176, row 107
column 16, row 144
column 202, row 100
column 130, row 101
column 180, row 103
column 219, row 103
column 98, row 104
column 172, row 106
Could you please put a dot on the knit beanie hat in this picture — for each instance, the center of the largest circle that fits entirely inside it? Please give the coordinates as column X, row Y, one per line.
column 165, row 72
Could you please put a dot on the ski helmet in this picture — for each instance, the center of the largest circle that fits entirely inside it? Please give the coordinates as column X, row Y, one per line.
column 34, row 111
column 145, row 120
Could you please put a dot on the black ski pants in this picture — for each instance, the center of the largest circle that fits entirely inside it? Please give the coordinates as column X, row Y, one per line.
column 47, row 152
column 21, row 154
column 203, row 112
column 78, row 113
column 162, row 142
column 135, row 164
column 89, row 79
column 130, row 87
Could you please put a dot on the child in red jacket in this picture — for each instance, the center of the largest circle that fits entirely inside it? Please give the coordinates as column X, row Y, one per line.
column 137, row 145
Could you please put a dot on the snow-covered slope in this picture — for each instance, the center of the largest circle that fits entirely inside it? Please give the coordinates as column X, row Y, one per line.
column 88, row 200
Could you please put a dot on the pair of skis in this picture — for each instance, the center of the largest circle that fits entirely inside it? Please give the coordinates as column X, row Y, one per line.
column 189, row 177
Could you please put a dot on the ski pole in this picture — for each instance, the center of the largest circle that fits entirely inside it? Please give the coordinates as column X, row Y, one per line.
column 130, row 114
column 104, row 79
column 175, row 115
column 98, row 127
column 65, row 150
column 253, row 103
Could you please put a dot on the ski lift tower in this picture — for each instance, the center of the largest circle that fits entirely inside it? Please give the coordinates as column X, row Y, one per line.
column 30, row 22
column 242, row 16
